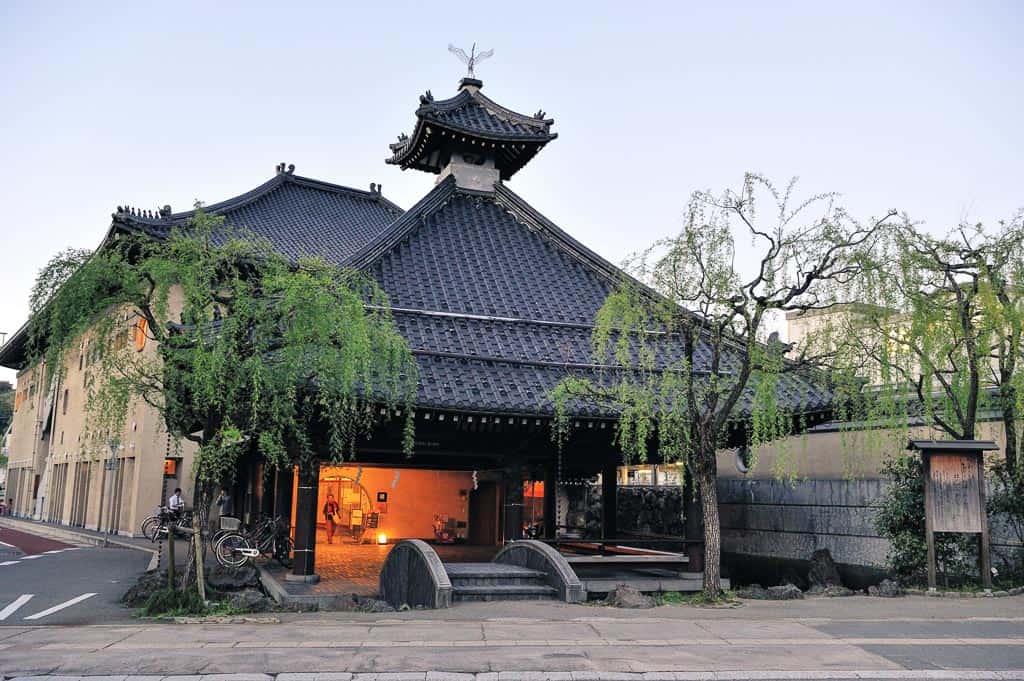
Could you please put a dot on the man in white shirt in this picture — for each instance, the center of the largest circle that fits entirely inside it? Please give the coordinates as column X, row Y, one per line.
column 176, row 503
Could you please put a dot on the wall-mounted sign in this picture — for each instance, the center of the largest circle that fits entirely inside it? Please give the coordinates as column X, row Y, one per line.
column 170, row 468
column 382, row 496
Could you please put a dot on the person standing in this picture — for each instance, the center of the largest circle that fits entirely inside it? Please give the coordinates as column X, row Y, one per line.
column 225, row 505
column 330, row 517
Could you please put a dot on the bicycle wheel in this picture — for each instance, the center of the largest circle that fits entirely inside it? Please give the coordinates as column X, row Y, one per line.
column 153, row 528
column 228, row 550
column 283, row 550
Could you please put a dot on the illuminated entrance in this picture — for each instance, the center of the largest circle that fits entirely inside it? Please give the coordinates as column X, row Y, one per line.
column 377, row 504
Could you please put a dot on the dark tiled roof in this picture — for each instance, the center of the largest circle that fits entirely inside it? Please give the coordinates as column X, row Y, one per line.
column 472, row 112
column 498, row 305
column 496, row 302
column 298, row 215
column 471, row 121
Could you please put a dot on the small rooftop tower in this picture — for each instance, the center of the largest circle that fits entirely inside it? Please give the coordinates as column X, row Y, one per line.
column 471, row 137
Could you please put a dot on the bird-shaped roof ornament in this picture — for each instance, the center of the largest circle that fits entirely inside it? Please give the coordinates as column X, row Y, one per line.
column 471, row 59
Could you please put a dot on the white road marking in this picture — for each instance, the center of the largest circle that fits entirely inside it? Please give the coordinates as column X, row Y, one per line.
column 17, row 603
column 10, row 562
column 33, row 557
column 10, row 546
column 57, row 608
column 55, row 551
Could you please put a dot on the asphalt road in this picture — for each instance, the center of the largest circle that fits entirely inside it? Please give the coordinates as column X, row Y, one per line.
column 43, row 581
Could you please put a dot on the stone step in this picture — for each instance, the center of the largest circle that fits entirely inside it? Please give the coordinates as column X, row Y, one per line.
column 504, row 592
column 496, row 574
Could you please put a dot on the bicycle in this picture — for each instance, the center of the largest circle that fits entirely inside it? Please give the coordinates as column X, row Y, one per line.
column 154, row 527
column 271, row 537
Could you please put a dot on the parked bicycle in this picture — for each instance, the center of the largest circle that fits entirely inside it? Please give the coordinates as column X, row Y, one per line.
column 270, row 537
column 154, row 527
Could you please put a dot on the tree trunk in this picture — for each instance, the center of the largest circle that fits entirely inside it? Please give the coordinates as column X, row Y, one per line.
column 199, row 516
column 712, row 532
column 1008, row 397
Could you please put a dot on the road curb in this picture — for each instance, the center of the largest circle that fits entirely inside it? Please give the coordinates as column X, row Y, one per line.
column 69, row 535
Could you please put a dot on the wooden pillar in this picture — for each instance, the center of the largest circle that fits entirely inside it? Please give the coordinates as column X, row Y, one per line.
column 693, row 525
column 266, row 482
column 550, row 501
column 513, row 504
column 929, row 533
column 609, row 503
column 306, row 513
column 985, row 557
column 284, row 481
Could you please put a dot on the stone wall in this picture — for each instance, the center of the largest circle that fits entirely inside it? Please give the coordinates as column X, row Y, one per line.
column 779, row 519
column 772, row 526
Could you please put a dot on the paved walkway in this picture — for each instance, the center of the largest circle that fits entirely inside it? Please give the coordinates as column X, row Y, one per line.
column 852, row 636
column 854, row 675
column 346, row 567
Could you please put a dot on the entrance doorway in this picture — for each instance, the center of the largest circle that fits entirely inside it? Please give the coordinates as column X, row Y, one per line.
column 354, row 509
column 484, row 514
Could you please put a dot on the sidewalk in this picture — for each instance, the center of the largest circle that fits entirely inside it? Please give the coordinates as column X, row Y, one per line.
column 860, row 637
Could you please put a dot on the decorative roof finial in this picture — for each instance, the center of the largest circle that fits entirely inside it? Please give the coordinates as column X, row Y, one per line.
column 471, row 59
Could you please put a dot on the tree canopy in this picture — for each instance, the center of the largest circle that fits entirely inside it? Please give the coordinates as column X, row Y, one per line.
column 690, row 330
column 941, row 340
column 252, row 351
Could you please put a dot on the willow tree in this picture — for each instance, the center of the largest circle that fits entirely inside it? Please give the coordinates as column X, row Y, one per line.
column 938, row 346
column 253, row 352
column 690, row 332
column 941, row 342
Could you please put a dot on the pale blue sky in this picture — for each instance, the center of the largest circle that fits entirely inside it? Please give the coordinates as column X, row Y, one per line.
column 913, row 105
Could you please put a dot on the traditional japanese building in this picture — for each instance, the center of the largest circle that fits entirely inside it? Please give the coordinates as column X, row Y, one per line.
column 497, row 304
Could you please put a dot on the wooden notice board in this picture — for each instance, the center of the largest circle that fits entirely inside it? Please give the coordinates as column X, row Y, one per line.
column 955, row 499
column 954, row 495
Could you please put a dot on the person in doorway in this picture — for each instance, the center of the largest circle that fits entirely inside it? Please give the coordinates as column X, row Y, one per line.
column 331, row 509
column 225, row 504
column 176, row 504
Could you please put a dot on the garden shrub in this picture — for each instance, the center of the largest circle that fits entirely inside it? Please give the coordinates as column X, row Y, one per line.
column 174, row 603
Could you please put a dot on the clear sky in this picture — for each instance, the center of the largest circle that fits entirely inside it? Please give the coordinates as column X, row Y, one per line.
column 912, row 105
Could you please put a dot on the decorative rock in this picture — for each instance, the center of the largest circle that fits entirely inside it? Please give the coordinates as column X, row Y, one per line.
column 754, row 592
column 144, row 588
column 250, row 600
column 792, row 577
column 887, row 588
column 627, row 597
column 823, row 571
column 357, row 603
column 233, row 579
column 785, row 592
column 1000, row 594
column 830, row 591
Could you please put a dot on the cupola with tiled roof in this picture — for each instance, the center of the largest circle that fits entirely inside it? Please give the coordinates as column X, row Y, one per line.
column 471, row 137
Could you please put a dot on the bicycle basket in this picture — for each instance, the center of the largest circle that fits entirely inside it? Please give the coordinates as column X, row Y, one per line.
column 229, row 523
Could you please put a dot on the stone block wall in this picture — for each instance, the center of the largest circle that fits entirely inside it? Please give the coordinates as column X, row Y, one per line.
column 779, row 519
column 777, row 523
column 789, row 520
